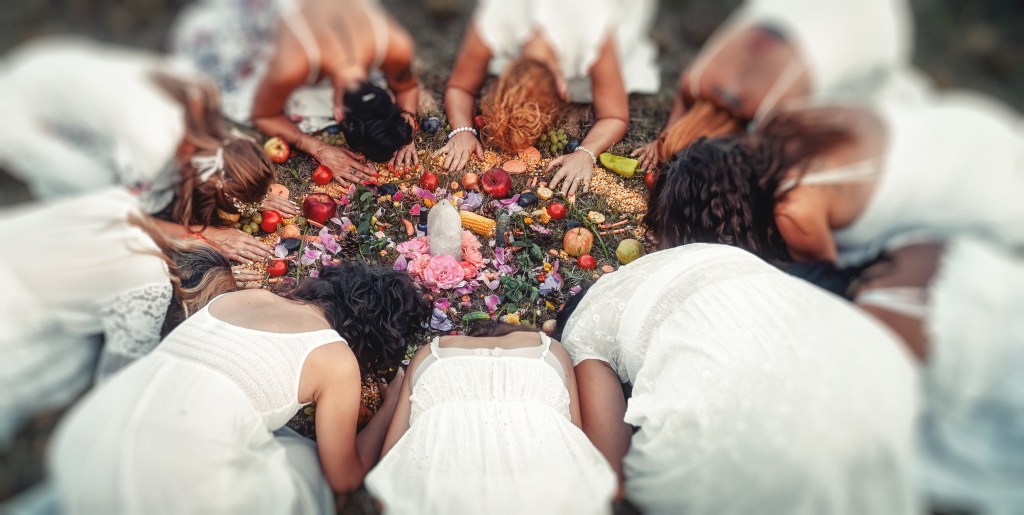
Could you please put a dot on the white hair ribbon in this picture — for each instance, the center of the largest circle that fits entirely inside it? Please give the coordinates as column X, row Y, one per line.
column 206, row 166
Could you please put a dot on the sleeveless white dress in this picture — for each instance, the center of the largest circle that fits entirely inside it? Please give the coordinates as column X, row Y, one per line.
column 81, row 116
column 233, row 41
column 576, row 29
column 190, row 429
column 94, row 288
column 952, row 166
column 490, row 432
column 972, row 431
column 753, row 392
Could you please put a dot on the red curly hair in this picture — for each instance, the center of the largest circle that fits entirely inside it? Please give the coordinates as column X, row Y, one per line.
column 702, row 119
column 521, row 105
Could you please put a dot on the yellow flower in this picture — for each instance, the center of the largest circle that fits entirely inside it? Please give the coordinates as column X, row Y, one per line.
column 528, row 220
column 547, row 267
column 549, row 305
column 512, row 318
column 428, row 202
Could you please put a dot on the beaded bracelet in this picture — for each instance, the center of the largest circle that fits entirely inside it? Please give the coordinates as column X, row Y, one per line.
column 588, row 151
column 462, row 129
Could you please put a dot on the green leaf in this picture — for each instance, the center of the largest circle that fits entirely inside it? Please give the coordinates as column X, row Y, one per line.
column 365, row 197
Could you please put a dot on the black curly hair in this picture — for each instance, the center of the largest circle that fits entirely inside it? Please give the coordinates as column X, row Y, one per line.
column 724, row 190
column 374, row 125
column 378, row 311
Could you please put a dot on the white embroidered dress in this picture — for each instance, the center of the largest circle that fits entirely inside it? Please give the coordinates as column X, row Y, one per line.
column 74, row 273
column 190, row 429
column 753, row 392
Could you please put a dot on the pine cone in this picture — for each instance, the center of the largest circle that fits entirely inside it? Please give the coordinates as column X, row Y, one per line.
column 349, row 245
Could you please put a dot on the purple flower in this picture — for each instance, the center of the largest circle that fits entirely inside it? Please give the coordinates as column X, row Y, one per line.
column 401, row 264
column 424, row 194
column 329, row 242
column 313, row 273
column 439, row 321
column 397, row 197
column 492, row 302
column 467, row 287
column 575, row 289
column 540, row 229
column 501, row 258
column 310, row 256
column 553, row 282
column 443, row 304
column 280, row 251
column 472, row 201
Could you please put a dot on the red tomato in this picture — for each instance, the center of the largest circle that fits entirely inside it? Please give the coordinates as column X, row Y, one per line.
column 277, row 268
column 650, row 179
column 556, row 211
column 270, row 220
column 322, row 175
column 586, row 262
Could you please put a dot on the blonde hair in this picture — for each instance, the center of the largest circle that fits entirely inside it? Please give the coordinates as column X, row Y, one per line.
column 523, row 102
column 702, row 119
column 247, row 172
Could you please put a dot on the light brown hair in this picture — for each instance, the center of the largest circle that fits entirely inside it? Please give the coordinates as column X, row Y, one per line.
column 248, row 172
column 703, row 118
column 523, row 102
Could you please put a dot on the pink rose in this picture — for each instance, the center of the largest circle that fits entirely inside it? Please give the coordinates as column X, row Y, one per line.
column 469, row 240
column 443, row 272
column 473, row 255
column 469, row 269
column 414, row 247
column 418, row 265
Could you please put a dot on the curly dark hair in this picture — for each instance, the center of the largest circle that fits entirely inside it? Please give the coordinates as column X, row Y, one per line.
column 378, row 311
column 724, row 190
column 374, row 125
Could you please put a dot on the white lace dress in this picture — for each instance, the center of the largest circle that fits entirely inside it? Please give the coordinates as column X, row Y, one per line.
column 82, row 116
column 753, row 392
column 190, row 429
column 74, row 274
column 490, row 432
column 576, row 29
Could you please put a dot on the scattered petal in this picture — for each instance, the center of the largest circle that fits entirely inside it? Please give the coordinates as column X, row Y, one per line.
column 492, row 302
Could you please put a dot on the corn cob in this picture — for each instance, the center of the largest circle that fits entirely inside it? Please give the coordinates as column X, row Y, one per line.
column 480, row 225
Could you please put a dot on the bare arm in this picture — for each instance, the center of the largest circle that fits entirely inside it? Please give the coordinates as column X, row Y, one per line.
column 400, row 422
column 611, row 109
column 804, row 225
column 467, row 78
column 234, row 244
column 602, row 408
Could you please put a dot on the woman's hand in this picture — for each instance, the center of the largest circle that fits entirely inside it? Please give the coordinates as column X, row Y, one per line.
column 648, row 156
column 245, row 278
column 392, row 391
column 347, row 166
column 236, row 245
column 458, row 151
column 405, row 157
column 281, row 204
column 574, row 171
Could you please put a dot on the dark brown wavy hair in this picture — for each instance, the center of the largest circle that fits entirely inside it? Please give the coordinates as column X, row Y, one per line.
column 724, row 190
column 380, row 312
column 248, row 172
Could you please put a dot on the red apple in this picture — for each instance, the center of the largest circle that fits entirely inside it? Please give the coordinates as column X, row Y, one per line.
column 270, row 220
column 319, row 207
column 556, row 211
column 428, row 181
column 496, row 183
column 277, row 268
column 586, row 262
column 650, row 178
column 470, row 181
column 322, row 175
column 277, row 150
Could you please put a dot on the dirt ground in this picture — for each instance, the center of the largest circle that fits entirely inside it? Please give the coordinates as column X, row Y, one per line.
column 960, row 44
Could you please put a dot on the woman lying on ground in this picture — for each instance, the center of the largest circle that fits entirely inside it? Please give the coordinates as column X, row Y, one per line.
column 193, row 423
column 488, row 423
column 84, row 116
column 542, row 62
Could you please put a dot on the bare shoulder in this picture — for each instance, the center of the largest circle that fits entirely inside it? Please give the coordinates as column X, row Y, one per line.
column 563, row 355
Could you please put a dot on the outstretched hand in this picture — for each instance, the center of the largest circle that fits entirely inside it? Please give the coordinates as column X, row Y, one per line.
column 237, row 245
column 648, row 156
column 459, row 149
column 405, row 157
column 347, row 166
column 574, row 170
column 281, row 204
column 245, row 278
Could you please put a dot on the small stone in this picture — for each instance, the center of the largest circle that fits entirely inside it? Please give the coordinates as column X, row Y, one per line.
column 430, row 125
column 292, row 244
column 527, row 199
column 333, row 130
column 388, row 188
column 572, row 224
column 572, row 145
column 607, row 269
column 549, row 326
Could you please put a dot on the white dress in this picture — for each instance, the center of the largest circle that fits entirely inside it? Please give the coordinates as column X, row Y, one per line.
column 232, row 41
column 190, row 429
column 81, row 116
column 972, row 431
column 753, row 392
column 852, row 50
column 576, row 29
column 87, row 278
column 954, row 165
column 490, row 432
